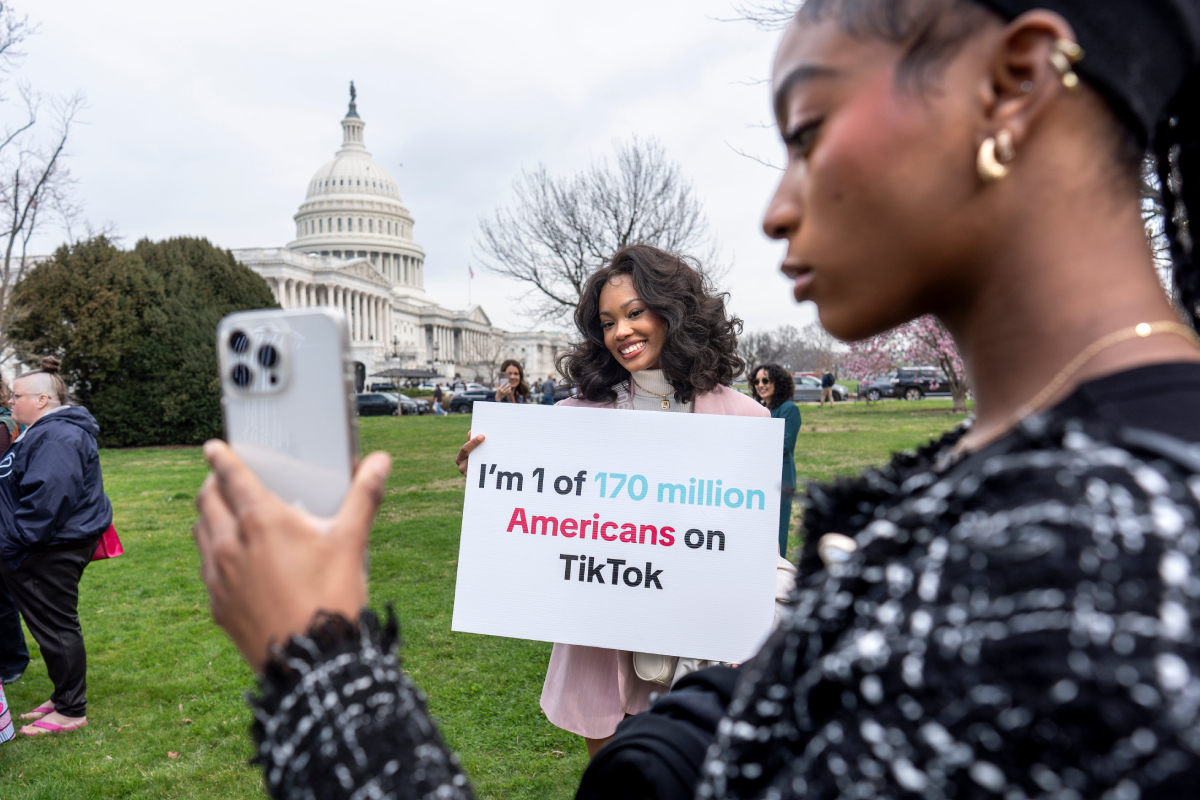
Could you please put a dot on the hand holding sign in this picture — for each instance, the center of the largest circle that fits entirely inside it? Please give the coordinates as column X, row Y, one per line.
column 646, row 533
column 465, row 452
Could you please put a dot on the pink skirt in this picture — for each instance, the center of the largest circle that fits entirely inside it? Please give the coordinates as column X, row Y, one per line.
column 589, row 690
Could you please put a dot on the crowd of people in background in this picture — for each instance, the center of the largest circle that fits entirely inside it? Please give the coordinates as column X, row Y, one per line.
column 510, row 387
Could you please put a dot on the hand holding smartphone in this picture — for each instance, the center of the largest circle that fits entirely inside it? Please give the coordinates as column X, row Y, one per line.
column 286, row 394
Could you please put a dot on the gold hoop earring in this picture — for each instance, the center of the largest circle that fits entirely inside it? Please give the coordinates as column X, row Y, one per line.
column 1065, row 56
column 989, row 167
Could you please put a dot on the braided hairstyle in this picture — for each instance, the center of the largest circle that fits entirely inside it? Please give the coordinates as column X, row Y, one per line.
column 1176, row 149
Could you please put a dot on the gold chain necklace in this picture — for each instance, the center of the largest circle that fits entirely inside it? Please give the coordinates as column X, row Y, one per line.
column 1140, row 331
column 666, row 398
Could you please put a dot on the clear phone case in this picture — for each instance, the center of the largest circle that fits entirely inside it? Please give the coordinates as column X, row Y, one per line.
column 287, row 390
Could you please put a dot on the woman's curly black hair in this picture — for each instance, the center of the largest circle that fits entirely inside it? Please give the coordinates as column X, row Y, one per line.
column 700, row 351
column 785, row 385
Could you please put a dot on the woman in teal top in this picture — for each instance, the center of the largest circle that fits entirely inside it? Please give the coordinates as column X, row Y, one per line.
column 772, row 386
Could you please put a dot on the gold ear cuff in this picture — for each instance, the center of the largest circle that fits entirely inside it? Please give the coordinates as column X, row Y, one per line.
column 1065, row 56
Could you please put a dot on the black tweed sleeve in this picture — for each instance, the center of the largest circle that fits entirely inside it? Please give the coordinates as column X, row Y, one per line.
column 337, row 718
column 1022, row 627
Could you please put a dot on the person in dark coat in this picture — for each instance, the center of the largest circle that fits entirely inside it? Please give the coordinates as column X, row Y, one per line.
column 1017, row 617
column 827, row 388
column 53, row 511
column 774, row 388
column 14, row 653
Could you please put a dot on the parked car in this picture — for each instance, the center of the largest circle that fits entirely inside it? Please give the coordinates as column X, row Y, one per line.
column 913, row 383
column 382, row 387
column 407, row 404
column 463, row 402
column 423, row 406
column 876, row 387
column 808, row 389
column 477, row 387
column 375, row 403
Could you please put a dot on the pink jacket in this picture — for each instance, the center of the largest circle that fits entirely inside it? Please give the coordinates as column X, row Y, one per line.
column 721, row 400
column 589, row 690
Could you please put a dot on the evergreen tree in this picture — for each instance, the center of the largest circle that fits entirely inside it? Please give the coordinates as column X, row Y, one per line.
column 136, row 332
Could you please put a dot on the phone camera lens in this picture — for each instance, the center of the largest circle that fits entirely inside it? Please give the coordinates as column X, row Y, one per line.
column 268, row 356
column 238, row 341
column 242, row 375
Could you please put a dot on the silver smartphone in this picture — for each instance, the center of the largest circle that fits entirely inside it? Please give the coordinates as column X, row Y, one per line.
column 287, row 393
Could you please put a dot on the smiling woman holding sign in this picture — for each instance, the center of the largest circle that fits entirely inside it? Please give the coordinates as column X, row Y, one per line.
column 655, row 337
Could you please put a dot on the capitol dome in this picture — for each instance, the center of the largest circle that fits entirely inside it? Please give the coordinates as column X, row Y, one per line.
column 353, row 210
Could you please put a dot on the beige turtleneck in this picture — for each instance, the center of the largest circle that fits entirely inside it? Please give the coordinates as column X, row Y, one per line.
column 652, row 380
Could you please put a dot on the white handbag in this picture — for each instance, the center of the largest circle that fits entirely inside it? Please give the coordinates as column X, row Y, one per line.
column 655, row 668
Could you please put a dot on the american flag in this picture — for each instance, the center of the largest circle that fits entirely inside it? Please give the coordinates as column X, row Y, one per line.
column 471, row 271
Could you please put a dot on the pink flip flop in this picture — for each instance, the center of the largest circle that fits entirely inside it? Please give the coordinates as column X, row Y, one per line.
column 50, row 727
column 41, row 711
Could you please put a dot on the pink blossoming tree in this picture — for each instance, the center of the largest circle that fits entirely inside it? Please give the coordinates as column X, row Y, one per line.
column 922, row 342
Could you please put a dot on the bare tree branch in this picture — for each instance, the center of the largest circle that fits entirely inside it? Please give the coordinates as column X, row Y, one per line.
column 753, row 158
column 810, row 350
column 35, row 185
column 558, row 230
column 769, row 16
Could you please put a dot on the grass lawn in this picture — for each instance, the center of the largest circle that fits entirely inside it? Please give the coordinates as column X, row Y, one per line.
column 166, row 717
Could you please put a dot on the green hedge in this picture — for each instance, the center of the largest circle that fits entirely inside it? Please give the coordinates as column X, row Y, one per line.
column 135, row 330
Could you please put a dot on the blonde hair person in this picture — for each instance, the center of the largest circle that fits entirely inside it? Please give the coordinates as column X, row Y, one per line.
column 54, row 511
column 46, row 389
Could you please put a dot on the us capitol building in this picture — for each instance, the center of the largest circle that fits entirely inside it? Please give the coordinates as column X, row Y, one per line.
column 354, row 250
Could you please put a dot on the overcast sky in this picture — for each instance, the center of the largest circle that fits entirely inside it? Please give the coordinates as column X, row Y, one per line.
column 209, row 119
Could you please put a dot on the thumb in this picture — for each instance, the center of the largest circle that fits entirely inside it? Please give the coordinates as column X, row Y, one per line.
column 365, row 494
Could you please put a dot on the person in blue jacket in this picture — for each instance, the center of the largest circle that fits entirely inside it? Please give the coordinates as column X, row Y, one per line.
column 773, row 386
column 53, row 511
column 14, row 653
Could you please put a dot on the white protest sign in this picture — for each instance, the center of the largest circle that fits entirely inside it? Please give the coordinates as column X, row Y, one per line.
column 632, row 530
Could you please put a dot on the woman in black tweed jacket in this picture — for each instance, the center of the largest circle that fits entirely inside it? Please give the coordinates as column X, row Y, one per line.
column 1018, row 618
